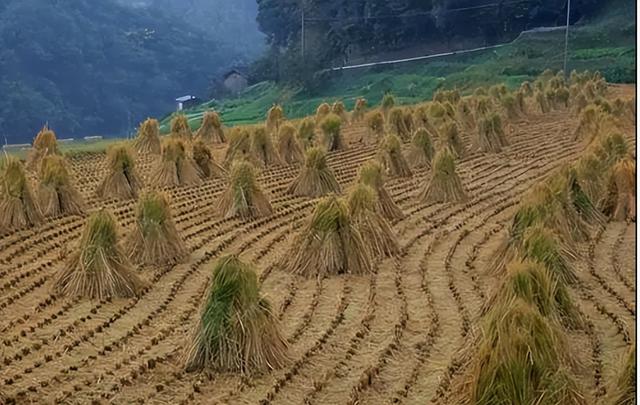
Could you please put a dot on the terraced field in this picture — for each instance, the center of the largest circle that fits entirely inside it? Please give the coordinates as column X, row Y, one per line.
column 396, row 336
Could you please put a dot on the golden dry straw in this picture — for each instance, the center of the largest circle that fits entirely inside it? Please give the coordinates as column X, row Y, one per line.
column 148, row 139
column 490, row 136
column 376, row 232
column 239, row 146
column 44, row 144
column 262, row 151
column 175, row 168
column 289, row 148
column 243, row 196
column 315, row 178
column 620, row 203
column 97, row 268
column 450, row 138
column 521, row 358
column 396, row 123
column 375, row 126
column 482, row 106
column 275, row 117
column 211, row 130
column 154, row 239
column 56, row 194
column 18, row 207
column 322, row 111
column 526, row 89
column 623, row 390
column 338, row 109
column 359, row 110
column 371, row 174
column 121, row 181
column 329, row 244
column 332, row 134
column 203, row 158
column 421, row 150
column 465, row 114
column 180, row 128
column 542, row 101
column 237, row 330
column 391, row 157
column 533, row 283
column 451, row 96
column 387, row 103
column 444, row 185
column 539, row 207
column 307, row 132
column 510, row 106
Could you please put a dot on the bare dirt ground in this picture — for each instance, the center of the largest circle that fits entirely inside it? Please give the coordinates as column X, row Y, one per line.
column 392, row 337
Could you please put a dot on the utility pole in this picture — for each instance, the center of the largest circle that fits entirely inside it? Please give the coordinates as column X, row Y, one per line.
column 302, row 28
column 566, row 40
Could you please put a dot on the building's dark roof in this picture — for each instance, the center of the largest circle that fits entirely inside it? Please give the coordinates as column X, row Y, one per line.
column 233, row 71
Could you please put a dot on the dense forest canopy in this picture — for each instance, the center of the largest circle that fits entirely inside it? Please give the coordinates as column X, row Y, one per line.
column 338, row 30
column 99, row 67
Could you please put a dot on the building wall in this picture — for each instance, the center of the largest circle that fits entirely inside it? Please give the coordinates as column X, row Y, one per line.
column 235, row 83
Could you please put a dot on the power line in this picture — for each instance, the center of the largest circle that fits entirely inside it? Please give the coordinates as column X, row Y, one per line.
column 426, row 13
column 439, row 55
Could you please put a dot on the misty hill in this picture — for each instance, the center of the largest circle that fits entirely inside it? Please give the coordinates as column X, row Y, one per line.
column 99, row 67
column 230, row 22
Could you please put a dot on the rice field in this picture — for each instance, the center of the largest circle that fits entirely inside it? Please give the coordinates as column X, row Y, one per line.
column 406, row 328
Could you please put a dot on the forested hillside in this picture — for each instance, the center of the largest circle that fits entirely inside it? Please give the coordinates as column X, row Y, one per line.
column 337, row 31
column 98, row 67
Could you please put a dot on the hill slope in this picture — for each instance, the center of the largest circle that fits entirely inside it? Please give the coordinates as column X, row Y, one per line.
column 90, row 67
column 605, row 42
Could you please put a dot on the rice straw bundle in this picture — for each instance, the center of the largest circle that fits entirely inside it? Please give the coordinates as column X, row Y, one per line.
column 391, row 158
column 315, row 178
column 275, row 117
column 329, row 244
column 237, row 330
column 180, row 128
column 243, row 196
column 620, row 201
column 421, row 150
column 332, row 136
column 306, row 132
column 211, row 130
column 122, row 181
column 491, row 138
column 97, row 269
column 175, row 168
column 322, row 111
column 148, row 139
column 56, row 194
column 376, row 232
column 289, row 149
column 18, row 207
column 203, row 159
column 359, row 110
column 522, row 358
column 154, row 239
column 444, row 185
column 397, row 124
column 375, row 126
column 45, row 144
column 338, row 109
column 239, row 146
column 262, row 151
column 450, row 138
column 371, row 175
